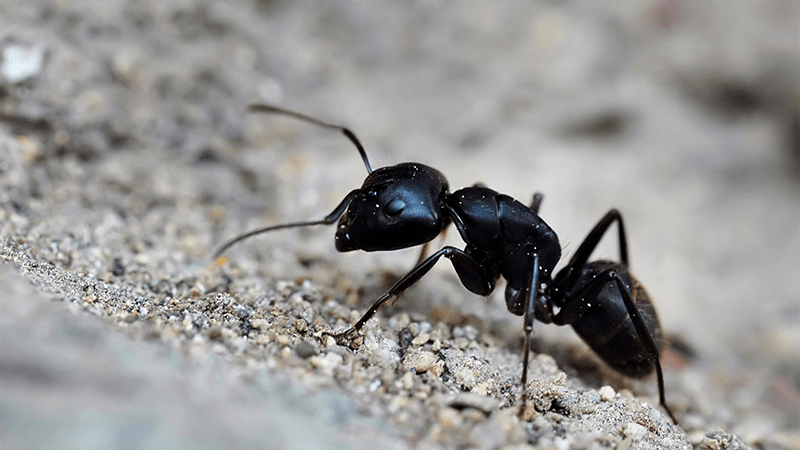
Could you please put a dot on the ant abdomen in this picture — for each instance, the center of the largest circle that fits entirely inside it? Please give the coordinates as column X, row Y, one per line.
column 607, row 327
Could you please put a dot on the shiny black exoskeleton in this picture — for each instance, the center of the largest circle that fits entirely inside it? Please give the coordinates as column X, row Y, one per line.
column 410, row 204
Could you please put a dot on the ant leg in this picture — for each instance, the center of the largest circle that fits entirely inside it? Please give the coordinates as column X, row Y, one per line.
column 569, row 275
column 329, row 219
column 423, row 253
column 536, row 202
column 576, row 305
column 647, row 338
column 473, row 276
column 532, row 291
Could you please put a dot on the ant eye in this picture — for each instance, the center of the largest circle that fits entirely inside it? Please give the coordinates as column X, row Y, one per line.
column 395, row 207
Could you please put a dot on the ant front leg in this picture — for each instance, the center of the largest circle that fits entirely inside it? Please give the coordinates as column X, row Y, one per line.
column 472, row 274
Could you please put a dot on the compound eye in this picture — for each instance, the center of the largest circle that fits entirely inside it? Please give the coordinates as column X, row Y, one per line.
column 395, row 207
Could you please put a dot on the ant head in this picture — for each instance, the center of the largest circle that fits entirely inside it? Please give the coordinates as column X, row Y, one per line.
column 397, row 207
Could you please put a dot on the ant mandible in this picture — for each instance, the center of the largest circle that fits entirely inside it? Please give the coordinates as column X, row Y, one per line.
column 409, row 204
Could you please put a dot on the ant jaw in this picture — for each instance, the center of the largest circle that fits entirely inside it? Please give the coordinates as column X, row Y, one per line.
column 343, row 241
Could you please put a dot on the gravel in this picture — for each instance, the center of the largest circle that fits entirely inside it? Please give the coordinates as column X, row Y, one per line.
column 127, row 157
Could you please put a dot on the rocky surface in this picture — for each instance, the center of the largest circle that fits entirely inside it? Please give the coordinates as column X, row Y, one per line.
column 127, row 156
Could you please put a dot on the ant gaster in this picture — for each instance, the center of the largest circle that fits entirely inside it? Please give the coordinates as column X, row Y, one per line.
column 410, row 204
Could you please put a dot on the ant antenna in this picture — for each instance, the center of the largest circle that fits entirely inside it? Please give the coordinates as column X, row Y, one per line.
column 329, row 219
column 244, row 236
column 269, row 109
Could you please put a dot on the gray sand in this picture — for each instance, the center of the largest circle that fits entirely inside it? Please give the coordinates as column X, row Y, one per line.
column 127, row 156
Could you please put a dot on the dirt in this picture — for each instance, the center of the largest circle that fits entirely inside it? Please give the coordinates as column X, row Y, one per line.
column 127, row 156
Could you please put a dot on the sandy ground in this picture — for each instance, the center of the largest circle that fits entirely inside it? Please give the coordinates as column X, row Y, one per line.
column 127, row 156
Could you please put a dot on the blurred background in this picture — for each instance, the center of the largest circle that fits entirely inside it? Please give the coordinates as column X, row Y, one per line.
column 683, row 115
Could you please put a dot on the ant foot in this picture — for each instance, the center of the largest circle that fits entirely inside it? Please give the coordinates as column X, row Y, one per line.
column 349, row 338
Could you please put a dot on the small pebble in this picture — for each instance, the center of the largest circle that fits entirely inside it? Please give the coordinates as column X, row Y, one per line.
column 283, row 287
column 21, row 62
column 327, row 363
column 420, row 360
column 696, row 437
column 449, row 418
column 483, row 388
column 606, row 393
column 214, row 332
column 472, row 400
column 421, row 339
column 197, row 290
column 305, row 350
column 438, row 369
column 407, row 381
column 461, row 343
column 473, row 415
column 403, row 320
column 634, row 431
column 259, row 324
column 374, row 385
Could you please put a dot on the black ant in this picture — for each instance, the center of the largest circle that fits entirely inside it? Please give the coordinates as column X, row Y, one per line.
column 409, row 204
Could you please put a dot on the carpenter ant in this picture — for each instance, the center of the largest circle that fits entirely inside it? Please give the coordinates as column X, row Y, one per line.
column 409, row 204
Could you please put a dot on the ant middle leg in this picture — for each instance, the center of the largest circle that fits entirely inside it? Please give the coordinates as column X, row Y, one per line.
column 529, row 297
column 472, row 274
